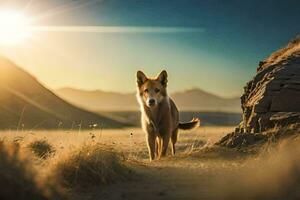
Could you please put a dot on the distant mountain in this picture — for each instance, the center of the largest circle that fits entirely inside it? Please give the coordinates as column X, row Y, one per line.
column 189, row 100
column 199, row 100
column 25, row 103
column 98, row 100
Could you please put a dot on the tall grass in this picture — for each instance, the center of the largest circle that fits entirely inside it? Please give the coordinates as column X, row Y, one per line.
column 18, row 178
column 273, row 174
column 91, row 165
column 41, row 148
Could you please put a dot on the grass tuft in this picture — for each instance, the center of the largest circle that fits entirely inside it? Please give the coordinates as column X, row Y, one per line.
column 41, row 148
column 91, row 166
column 273, row 174
column 17, row 175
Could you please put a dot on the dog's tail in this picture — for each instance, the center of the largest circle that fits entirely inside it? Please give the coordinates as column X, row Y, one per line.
column 195, row 122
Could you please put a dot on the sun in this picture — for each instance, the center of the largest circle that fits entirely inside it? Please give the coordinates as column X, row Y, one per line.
column 14, row 27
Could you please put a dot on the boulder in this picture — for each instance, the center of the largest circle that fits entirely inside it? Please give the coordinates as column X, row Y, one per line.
column 272, row 98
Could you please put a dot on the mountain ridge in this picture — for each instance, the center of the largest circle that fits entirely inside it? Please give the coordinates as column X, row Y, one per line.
column 25, row 102
column 187, row 100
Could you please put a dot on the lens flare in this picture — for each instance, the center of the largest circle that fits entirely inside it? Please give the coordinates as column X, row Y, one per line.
column 14, row 27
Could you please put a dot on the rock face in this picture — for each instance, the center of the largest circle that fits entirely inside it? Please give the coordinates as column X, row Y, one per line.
column 272, row 98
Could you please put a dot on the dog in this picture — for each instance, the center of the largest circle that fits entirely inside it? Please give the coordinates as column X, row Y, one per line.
column 160, row 116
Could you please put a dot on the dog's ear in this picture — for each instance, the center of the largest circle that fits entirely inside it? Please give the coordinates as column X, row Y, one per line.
column 163, row 78
column 141, row 78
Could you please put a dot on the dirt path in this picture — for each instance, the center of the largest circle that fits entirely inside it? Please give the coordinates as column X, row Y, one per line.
column 185, row 176
column 179, row 178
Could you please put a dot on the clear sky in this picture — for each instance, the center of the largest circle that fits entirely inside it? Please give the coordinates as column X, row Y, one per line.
column 214, row 45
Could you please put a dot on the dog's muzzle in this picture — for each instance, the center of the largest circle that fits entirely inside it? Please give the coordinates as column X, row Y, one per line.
column 151, row 102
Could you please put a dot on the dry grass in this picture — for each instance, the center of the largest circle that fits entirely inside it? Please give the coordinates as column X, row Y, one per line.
column 90, row 166
column 86, row 160
column 41, row 148
column 283, row 53
column 17, row 176
column 273, row 174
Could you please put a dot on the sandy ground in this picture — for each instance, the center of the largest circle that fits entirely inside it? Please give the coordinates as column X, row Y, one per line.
column 188, row 175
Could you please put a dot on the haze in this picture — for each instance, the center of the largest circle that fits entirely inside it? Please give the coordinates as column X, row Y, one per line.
column 214, row 46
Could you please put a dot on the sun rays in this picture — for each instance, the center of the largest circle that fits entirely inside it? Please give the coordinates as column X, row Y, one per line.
column 14, row 27
column 115, row 29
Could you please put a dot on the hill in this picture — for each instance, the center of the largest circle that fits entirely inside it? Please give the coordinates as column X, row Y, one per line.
column 189, row 100
column 98, row 100
column 25, row 103
column 199, row 100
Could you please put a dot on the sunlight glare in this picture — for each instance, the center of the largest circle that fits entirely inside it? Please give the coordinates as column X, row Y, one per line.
column 14, row 27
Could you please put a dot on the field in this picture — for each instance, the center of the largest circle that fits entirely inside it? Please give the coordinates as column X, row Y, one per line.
column 199, row 170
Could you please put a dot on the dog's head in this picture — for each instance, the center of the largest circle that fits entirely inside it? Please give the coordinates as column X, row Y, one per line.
column 152, row 91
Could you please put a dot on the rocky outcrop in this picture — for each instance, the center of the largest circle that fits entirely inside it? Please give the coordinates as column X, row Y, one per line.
column 272, row 98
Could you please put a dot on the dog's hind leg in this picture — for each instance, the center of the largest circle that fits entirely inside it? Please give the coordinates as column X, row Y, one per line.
column 151, row 145
column 174, row 140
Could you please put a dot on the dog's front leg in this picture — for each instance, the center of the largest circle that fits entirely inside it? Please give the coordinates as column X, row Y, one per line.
column 151, row 145
column 151, row 129
column 158, row 147
column 165, row 144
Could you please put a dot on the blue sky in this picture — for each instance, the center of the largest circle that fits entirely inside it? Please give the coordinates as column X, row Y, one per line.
column 231, row 37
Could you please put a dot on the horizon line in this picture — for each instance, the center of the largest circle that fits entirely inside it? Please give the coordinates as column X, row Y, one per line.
column 133, row 92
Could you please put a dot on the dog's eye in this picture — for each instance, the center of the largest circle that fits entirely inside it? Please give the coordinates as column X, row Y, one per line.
column 157, row 90
column 146, row 90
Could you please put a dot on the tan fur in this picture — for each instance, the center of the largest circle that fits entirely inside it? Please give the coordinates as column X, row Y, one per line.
column 160, row 117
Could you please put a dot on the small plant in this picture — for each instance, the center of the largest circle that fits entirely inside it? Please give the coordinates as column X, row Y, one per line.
column 91, row 166
column 41, row 148
column 17, row 177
